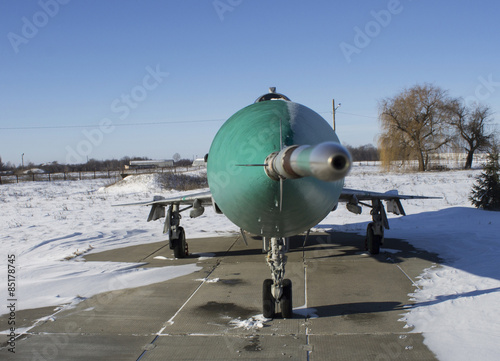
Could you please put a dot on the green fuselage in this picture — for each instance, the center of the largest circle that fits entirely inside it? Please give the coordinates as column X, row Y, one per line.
column 245, row 194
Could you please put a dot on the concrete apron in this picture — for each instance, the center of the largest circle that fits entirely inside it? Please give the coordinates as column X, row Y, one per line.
column 347, row 306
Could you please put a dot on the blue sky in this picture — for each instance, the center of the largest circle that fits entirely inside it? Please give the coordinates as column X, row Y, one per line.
column 106, row 79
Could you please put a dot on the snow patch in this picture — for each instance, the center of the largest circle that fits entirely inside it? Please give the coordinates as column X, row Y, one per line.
column 164, row 258
column 252, row 323
column 204, row 256
column 207, row 280
column 391, row 251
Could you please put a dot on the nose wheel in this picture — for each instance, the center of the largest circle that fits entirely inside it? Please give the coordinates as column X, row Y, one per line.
column 270, row 304
column 286, row 299
column 268, row 301
column 277, row 292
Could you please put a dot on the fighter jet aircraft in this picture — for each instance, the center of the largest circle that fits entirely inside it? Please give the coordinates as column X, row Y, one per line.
column 276, row 168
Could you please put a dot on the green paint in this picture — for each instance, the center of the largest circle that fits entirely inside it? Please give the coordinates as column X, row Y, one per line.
column 246, row 195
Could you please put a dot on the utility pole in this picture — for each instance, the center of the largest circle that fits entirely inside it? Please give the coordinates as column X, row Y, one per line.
column 334, row 110
column 22, row 160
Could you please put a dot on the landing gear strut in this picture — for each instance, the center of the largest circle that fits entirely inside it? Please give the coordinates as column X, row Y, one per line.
column 278, row 290
column 176, row 235
column 375, row 229
column 373, row 241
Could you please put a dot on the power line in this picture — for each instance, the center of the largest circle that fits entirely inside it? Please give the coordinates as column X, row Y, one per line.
column 353, row 114
column 359, row 115
column 112, row 124
column 147, row 123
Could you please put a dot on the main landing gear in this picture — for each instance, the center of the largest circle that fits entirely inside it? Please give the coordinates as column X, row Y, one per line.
column 375, row 229
column 176, row 234
column 277, row 292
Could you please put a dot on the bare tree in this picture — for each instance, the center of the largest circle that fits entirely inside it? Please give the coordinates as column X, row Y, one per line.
column 393, row 147
column 414, row 124
column 471, row 123
column 176, row 157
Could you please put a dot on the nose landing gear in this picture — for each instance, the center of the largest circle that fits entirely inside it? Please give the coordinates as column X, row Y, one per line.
column 278, row 290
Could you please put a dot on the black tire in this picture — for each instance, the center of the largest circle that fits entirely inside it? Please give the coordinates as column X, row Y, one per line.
column 179, row 245
column 286, row 300
column 373, row 241
column 268, row 303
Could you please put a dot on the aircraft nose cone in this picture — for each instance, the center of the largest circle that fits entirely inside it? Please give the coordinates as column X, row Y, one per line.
column 329, row 161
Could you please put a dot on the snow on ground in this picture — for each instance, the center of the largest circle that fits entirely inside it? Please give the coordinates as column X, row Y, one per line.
column 48, row 226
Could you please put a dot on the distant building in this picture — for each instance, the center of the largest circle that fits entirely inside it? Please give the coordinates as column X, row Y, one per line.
column 154, row 163
column 33, row 171
column 199, row 162
column 456, row 157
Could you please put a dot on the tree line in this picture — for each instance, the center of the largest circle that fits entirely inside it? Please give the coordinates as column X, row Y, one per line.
column 367, row 152
column 89, row 166
column 424, row 119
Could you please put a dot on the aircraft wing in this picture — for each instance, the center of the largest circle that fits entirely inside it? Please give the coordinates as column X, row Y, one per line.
column 204, row 199
column 393, row 199
column 348, row 194
column 195, row 201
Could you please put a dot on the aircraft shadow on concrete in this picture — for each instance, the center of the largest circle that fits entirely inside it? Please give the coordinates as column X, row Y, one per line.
column 444, row 298
column 333, row 244
column 250, row 251
column 358, row 311
column 336, row 244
